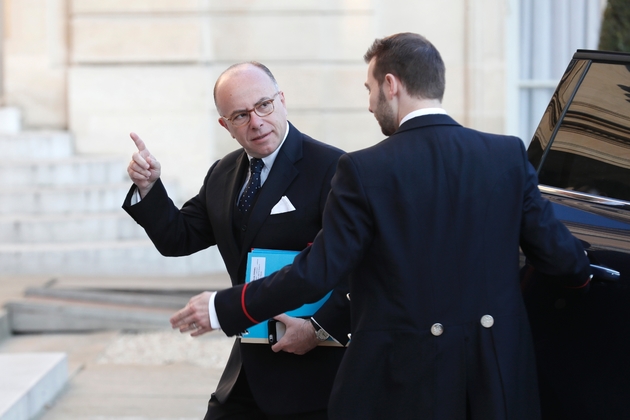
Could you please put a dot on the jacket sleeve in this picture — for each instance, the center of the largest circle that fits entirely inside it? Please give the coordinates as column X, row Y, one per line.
column 174, row 232
column 334, row 315
column 545, row 241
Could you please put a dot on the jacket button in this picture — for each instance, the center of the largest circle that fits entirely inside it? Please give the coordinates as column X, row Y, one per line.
column 348, row 296
column 487, row 321
column 244, row 228
column 437, row 329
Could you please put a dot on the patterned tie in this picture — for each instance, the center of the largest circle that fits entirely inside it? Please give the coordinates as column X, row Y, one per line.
column 245, row 203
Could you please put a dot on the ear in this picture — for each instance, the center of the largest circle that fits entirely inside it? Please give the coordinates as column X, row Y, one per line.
column 224, row 124
column 283, row 102
column 391, row 85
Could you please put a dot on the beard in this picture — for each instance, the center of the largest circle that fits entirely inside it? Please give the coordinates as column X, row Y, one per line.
column 384, row 115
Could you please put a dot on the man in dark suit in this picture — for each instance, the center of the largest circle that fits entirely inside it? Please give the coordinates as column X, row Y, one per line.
column 427, row 224
column 276, row 205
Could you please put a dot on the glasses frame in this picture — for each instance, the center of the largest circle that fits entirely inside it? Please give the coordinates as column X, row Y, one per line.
column 249, row 111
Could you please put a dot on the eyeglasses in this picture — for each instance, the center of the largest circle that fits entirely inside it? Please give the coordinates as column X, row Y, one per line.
column 262, row 109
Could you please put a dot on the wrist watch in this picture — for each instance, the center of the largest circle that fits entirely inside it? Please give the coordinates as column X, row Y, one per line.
column 320, row 333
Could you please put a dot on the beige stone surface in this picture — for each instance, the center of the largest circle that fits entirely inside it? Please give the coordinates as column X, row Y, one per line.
column 347, row 130
column 34, row 61
column 127, row 6
column 118, row 375
column 323, row 87
column 485, row 67
column 81, row 349
column 172, row 392
column 127, row 375
column 105, row 68
column 168, row 106
column 229, row 33
column 164, row 38
column 40, row 92
column 12, row 287
column 134, row 6
column 290, row 37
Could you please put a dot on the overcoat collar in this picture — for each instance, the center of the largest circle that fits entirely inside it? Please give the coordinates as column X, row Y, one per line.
column 425, row 121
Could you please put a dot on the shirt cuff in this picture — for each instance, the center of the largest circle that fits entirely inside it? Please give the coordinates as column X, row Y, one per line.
column 135, row 198
column 330, row 336
column 214, row 319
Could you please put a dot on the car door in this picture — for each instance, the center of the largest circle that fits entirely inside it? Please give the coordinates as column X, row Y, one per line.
column 581, row 151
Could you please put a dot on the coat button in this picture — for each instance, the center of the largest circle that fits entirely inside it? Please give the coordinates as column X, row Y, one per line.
column 437, row 329
column 349, row 336
column 487, row 321
column 348, row 296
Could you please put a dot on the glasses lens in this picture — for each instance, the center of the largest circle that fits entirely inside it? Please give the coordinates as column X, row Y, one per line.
column 240, row 119
column 264, row 108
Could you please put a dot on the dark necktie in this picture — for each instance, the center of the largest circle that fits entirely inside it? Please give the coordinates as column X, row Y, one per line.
column 245, row 203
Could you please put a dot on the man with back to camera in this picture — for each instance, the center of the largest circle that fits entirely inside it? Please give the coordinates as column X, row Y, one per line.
column 427, row 225
column 237, row 209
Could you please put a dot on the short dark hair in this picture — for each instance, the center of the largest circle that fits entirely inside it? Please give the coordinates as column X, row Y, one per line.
column 412, row 59
column 252, row 63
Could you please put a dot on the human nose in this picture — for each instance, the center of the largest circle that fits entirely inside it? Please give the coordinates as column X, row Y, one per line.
column 254, row 119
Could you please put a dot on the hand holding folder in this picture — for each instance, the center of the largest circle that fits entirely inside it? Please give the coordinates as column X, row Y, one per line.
column 261, row 263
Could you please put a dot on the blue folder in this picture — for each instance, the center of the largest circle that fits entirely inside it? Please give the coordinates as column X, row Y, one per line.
column 261, row 263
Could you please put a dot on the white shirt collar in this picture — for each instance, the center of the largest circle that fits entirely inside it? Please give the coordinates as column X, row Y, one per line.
column 268, row 161
column 420, row 112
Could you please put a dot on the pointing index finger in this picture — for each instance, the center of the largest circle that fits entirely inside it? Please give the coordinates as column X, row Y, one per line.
column 138, row 141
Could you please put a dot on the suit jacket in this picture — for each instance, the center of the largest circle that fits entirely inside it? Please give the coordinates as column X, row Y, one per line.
column 281, row 383
column 428, row 224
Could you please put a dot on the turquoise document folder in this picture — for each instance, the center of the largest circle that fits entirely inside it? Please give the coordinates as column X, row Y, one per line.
column 261, row 263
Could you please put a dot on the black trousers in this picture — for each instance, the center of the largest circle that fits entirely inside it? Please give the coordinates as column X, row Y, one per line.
column 241, row 405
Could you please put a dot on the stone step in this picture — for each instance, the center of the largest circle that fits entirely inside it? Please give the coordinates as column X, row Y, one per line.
column 5, row 331
column 173, row 285
column 36, row 145
column 48, row 315
column 140, row 298
column 63, row 199
column 29, row 382
column 82, row 227
column 129, row 257
column 67, row 171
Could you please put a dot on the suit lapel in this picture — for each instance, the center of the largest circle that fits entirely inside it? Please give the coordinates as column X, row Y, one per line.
column 281, row 176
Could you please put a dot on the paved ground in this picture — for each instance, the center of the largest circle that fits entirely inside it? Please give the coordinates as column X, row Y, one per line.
column 118, row 375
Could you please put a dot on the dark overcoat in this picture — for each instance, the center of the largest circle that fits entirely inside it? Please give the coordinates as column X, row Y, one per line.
column 428, row 225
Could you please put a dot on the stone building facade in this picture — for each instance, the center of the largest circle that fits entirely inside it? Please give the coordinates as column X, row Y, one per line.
column 101, row 69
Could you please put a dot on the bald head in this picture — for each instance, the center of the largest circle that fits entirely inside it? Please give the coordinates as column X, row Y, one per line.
column 240, row 69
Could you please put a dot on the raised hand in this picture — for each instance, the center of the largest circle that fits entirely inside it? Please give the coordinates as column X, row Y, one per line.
column 144, row 169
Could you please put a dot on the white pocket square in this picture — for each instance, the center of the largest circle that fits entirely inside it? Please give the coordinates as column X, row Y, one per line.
column 283, row 206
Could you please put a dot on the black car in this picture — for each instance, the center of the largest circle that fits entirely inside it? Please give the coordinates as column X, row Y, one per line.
column 581, row 151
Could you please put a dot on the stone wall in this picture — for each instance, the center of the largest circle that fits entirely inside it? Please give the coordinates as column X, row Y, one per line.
column 104, row 68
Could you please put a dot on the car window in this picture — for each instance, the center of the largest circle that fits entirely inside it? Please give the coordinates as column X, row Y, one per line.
column 590, row 152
